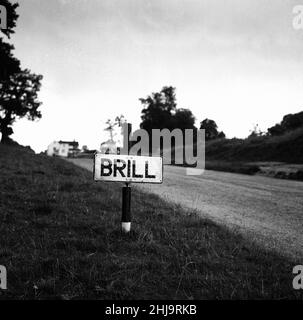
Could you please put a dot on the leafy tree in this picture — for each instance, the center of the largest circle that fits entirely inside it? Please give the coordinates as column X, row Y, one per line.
column 18, row 87
column 160, row 111
column 276, row 130
column 119, row 120
column 184, row 119
column 112, row 124
column 158, row 108
column 211, row 130
column 9, row 64
column 18, row 99
column 256, row 132
column 290, row 122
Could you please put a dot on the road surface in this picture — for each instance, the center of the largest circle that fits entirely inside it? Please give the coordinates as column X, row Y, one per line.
column 265, row 210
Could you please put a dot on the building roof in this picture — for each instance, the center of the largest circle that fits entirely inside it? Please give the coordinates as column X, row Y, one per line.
column 74, row 144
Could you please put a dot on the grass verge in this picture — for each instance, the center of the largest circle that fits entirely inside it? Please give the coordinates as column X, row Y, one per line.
column 60, row 239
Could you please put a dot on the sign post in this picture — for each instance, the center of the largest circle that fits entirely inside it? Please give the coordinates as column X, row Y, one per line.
column 127, row 169
column 126, row 208
column 126, row 218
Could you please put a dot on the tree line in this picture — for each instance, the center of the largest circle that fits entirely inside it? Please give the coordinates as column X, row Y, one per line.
column 160, row 111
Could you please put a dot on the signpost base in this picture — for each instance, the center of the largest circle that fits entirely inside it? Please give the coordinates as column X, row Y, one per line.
column 126, row 227
column 126, row 212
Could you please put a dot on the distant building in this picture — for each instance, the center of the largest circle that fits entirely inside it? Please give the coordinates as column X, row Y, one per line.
column 66, row 149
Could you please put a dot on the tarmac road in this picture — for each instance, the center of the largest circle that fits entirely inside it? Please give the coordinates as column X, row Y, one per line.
column 267, row 211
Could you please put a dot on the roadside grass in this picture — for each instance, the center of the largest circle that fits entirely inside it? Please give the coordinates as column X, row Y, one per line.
column 243, row 155
column 232, row 166
column 285, row 148
column 60, row 239
column 281, row 171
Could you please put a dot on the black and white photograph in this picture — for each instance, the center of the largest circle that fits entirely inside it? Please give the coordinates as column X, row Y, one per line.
column 151, row 153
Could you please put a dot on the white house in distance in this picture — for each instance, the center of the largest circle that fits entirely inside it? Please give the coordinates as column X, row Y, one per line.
column 63, row 149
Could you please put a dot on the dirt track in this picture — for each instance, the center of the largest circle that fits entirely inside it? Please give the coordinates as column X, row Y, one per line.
column 266, row 210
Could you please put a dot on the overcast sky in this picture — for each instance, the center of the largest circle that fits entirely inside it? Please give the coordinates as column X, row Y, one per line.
column 239, row 62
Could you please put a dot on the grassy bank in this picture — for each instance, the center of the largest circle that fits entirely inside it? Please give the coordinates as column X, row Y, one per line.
column 232, row 166
column 60, row 238
column 285, row 148
column 243, row 155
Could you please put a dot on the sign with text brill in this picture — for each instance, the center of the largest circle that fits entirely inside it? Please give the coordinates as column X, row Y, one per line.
column 128, row 168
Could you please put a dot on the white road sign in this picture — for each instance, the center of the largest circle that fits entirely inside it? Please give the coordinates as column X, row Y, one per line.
column 128, row 168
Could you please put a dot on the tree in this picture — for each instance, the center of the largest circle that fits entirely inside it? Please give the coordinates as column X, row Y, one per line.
column 160, row 111
column 110, row 125
column 18, row 88
column 18, row 99
column 119, row 120
column 158, row 108
column 276, row 130
column 211, row 130
column 184, row 119
column 290, row 122
column 9, row 64
column 256, row 132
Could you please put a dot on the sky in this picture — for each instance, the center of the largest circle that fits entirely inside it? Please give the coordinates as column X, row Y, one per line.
column 238, row 62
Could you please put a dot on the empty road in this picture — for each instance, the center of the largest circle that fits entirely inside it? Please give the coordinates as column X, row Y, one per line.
column 265, row 210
